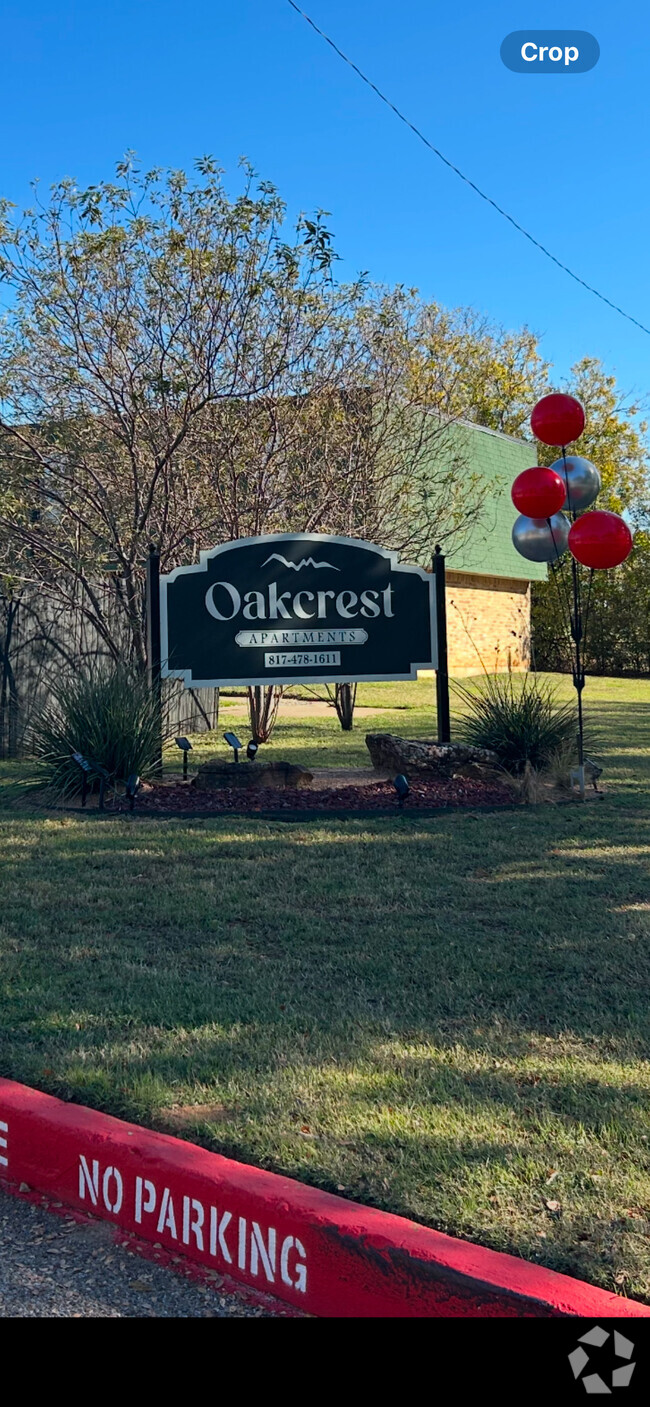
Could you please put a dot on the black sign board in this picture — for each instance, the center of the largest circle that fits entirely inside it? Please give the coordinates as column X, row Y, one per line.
column 296, row 608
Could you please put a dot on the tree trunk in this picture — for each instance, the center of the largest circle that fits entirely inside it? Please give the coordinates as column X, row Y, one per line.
column 344, row 700
column 8, row 717
column 14, row 715
column 263, row 705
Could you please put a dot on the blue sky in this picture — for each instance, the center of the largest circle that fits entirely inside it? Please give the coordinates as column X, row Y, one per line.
column 82, row 82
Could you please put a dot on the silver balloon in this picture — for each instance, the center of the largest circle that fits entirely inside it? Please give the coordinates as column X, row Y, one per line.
column 582, row 479
column 541, row 539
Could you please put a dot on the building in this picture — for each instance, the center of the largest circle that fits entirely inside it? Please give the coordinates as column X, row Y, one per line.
column 488, row 582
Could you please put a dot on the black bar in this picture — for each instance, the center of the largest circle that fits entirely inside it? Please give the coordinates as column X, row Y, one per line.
column 578, row 670
column 153, row 641
column 442, row 672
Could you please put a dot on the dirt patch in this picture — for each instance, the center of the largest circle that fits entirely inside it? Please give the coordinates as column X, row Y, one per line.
column 183, row 1116
column 297, row 708
column 335, row 777
column 342, row 796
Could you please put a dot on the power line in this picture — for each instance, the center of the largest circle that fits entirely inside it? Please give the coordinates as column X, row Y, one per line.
column 457, row 172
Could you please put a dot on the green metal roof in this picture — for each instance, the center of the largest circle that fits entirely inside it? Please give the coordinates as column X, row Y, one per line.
column 488, row 550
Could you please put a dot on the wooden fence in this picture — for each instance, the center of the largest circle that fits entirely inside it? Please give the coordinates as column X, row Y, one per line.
column 40, row 641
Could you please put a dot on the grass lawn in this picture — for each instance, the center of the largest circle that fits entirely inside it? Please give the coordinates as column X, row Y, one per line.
column 447, row 1018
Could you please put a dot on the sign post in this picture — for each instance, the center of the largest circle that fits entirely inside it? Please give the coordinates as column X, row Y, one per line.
column 292, row 608
column 154, row 671
column 442, row 671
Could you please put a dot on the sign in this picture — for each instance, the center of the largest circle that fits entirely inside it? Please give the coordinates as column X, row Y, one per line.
column 294, row 608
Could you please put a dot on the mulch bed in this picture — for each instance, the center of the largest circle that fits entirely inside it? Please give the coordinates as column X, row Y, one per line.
column 376, row 796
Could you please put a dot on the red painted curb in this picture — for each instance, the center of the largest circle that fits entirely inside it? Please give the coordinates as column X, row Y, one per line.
column 320, row 1253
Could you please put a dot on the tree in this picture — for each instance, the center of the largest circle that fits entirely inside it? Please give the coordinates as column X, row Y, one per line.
column 617, row 637
column 491, row 375
column 142, row 309
column 175, row 370
column 368, row 452
column 150, row 315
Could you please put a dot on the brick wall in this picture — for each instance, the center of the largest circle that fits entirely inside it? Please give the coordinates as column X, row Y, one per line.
column 487, row 617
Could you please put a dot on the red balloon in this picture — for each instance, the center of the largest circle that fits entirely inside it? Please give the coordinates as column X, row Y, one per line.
column 600, row 539
column 557, row 419
column 539, row 492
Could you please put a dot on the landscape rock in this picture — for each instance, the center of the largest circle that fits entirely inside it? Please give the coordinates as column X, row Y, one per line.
column 393, row 755
column 250, row 776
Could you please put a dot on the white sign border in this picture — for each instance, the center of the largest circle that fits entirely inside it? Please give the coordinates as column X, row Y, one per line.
column 202, row 566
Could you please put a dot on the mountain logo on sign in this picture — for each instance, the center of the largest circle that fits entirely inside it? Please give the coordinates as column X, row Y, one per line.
column 297, row 566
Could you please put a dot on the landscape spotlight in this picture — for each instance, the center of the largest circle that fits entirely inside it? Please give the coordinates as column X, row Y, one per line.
column 91, row 769
column 85, row 766
column 251, row 750
column 131, row 790
column 401, row 787
column 233, row 742
column 185, row 746
column 103, row 779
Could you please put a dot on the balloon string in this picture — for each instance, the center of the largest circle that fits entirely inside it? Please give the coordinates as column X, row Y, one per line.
column 557, row 568
column 575, row 616
column 558, row 554
column 567, row 597
column 568, row 486
column 587, row 609
column 565, row 609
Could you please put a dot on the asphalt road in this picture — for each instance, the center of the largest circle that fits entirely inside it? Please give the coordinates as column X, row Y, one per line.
column 54, row 1267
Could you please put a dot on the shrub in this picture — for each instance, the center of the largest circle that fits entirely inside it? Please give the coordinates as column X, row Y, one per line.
column 559, row 765
column 263, row 705
column 518, row 719
column 108, row 715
